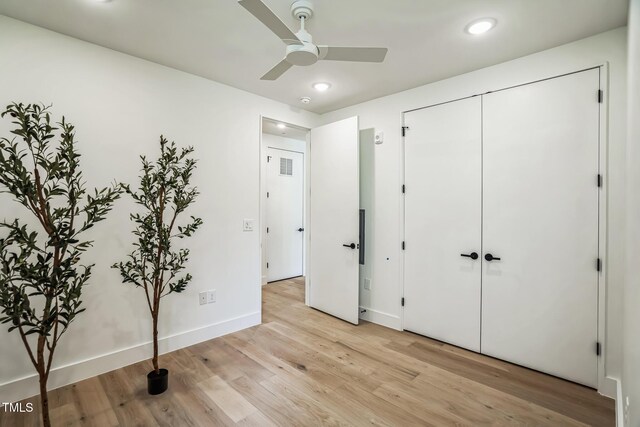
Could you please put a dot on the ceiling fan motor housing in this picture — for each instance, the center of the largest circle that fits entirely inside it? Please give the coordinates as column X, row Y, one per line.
column 304, row 54
column 307, row 53
column 302, row 9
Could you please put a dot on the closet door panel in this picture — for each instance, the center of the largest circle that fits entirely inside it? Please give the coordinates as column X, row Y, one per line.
column 540, row 217
column 443, row 221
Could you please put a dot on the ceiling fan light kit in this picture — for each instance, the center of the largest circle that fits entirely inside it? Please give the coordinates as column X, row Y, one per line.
column 300, row 50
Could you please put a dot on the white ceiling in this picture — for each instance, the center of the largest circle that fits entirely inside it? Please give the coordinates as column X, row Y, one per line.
column 220, row 40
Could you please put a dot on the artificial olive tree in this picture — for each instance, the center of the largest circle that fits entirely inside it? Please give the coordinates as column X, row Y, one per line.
column 41, row 275
column 164, row 193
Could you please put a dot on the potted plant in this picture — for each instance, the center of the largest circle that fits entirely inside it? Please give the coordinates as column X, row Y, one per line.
column 164, row 194
column 41, row 278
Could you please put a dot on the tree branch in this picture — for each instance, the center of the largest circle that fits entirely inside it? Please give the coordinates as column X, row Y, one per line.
column 27, row 346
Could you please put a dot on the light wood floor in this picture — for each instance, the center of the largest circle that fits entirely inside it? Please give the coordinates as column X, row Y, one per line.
column 304, row 368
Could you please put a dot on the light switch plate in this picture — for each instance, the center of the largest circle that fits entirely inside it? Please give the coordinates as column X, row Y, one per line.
column 211, row 296
column 367, row 284
column 248, row 224
column 202, row 297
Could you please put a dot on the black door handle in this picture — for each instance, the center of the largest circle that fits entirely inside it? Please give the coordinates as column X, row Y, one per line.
column 300, row 229
column 352, row 246
column 472, row 255
column 490, row 257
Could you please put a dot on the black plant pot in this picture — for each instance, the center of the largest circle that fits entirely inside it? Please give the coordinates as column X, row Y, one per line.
column 157, row 383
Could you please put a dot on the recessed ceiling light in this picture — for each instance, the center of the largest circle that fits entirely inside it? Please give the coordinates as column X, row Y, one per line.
column 480, row 26
column 281, row 125
column 305, row 100
column 321, row 86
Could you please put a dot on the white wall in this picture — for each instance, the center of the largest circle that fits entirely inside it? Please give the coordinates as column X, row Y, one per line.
column 120, row 105
column 284, row 143
column 367, row 202
column 385, row 114
column 631, row 371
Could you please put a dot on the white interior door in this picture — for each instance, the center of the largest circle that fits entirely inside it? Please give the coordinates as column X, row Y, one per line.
column 443, row 222
column 285, row 214
column 334, row 218
column 539, row 300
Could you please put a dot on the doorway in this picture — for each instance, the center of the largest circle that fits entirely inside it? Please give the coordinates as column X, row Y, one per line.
column 284, row 148
column 331, row 211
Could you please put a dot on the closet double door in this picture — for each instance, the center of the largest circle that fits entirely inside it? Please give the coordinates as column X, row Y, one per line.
column 501, row 224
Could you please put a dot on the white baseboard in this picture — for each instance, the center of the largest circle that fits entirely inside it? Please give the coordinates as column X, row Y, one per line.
column 381, row 318
column 608, row 387
column 63, row 375
column 619, row 404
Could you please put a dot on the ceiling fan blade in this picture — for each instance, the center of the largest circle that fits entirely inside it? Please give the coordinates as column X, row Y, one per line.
column 356, row 54
column 277, row 71
column 271, row 20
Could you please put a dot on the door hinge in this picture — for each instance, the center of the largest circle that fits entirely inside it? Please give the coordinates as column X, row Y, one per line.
column 598, row 349
column 267, row 194
column 600, row 96
column 267, row 229
column 599, row 264
column 404, row 130
column 404, row 189
column 402, row 301
column 599, row 180
column 403, row 245
column 267, row 265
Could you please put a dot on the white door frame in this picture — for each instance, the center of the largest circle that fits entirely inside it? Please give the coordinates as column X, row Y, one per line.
column 262, row 202
column 606, row 385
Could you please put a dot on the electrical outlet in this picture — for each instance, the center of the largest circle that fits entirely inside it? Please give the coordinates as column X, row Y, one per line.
column 247, row 224
column 367, row 284
column 202, row 297
column 211, row 296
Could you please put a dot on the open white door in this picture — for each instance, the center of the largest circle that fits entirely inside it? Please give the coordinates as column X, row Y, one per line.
column 285, row 214
column 334, row 219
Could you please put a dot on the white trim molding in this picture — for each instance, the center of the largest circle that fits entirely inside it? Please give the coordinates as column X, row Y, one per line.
column 384, row 319
column 607, row 387
column 619, row 403
column 25, row 387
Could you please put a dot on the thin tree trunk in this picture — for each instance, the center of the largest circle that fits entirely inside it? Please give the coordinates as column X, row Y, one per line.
column 155, row 340
column 44, row 400
column 43, row 376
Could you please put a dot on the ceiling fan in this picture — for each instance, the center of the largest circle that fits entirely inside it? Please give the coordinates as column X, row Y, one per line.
column 300, row 48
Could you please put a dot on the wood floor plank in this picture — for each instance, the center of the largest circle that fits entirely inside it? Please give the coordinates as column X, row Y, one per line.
column 486, row 399
column 202, row 410
column 309, row 401
column 302, row 367
column 122, row 393
column 578, row 402
column 229, row 400
column 227, row 362
column 280, row 410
